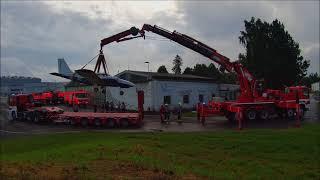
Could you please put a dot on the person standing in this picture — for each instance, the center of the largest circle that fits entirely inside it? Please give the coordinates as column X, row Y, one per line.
column 179, row 111
column 166, row 113
column 107, row 106
column 119, row 107
column 111, row 106
column 162, row 113
column 123, row 107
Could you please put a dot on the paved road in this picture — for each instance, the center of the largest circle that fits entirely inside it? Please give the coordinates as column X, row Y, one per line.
column 151, row 123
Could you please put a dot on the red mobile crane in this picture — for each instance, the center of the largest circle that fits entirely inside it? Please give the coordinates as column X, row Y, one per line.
column 252, row 102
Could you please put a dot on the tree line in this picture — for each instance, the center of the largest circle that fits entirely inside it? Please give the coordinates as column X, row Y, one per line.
column 271, row 54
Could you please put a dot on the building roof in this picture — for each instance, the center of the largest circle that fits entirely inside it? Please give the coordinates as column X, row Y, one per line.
column 162, row 76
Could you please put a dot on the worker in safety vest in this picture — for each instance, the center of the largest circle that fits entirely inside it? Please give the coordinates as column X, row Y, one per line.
column 161, row 113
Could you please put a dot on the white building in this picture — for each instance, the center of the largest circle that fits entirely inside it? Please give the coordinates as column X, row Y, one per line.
column 315, row 86
column 172, row 89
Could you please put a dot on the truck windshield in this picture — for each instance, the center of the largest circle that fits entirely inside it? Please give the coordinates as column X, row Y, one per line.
column 81, row 95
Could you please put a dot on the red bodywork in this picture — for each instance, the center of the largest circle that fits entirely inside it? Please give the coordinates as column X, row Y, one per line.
column 27, row 111
column 43, row 98
column 80, row 97
column 122, row 119
column 252, row 100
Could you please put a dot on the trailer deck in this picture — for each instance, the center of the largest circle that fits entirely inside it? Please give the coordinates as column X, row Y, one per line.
column 109, row 119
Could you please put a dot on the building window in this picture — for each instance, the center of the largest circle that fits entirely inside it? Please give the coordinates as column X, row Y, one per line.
column 186, row 99
column 166, row 99
column 200, row 97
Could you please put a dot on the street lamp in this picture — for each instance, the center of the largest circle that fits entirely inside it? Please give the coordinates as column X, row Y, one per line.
column 147, row 62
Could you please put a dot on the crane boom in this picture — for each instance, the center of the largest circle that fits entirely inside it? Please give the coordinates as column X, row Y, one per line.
column 192, row 44
column 246, row 80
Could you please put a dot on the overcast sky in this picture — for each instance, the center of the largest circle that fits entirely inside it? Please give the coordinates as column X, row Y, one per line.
column 35, row 34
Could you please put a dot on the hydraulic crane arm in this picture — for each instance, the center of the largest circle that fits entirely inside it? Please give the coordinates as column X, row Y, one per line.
column 192, row 44
column 120, row 37
column 246, row 80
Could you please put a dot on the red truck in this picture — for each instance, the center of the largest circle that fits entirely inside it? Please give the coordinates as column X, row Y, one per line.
column 80, row 98
column 43, row 98
column 26, row 109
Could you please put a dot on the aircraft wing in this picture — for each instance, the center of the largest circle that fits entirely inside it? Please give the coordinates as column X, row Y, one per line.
column 61, row 75
column 90, row 76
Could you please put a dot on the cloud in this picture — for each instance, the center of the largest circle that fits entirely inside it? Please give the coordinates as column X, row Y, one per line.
column 36, row 34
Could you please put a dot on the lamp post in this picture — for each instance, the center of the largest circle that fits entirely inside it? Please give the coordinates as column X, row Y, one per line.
column 147, row 62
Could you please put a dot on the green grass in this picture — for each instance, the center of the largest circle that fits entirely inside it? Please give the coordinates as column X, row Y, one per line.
column 249, row 154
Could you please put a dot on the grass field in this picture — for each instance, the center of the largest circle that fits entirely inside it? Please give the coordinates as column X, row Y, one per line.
column 250, row 154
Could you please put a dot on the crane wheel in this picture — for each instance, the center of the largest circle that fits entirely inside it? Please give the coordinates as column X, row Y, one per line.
column 251, row 114
column 290, row 114
column 264, row 115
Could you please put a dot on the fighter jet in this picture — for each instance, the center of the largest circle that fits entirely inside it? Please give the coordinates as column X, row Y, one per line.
column 89, row 77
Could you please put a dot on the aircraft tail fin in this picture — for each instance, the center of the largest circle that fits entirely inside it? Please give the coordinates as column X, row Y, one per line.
column 63, row 67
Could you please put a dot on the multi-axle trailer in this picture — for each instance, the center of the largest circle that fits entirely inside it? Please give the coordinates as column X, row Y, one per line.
column 22, row 108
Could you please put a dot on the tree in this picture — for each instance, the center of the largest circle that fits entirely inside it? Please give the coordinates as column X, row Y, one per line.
column 271, row 53
column 177, row 63
column 162, row 69
column 308, row 80
column 212, row 72
column 187, row 71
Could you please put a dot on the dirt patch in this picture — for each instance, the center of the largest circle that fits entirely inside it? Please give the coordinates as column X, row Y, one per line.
column 99, row 169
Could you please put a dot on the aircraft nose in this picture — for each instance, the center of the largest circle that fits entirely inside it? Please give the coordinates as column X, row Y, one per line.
column 125, row 83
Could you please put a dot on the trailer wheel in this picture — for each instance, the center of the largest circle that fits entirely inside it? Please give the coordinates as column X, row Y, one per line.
column 36, row 117
column 110, row 123
column 73, row 122
column 251, row 114
column 84, row 122
column 264, row 115
column 97, row 122
column 124, row 122
column 290, row 114
column 28, row 117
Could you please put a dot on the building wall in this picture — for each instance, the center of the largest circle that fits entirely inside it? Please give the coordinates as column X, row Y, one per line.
column 30, row 87
column 129, row 96
column 315, row 86
column 176, row 90
column 154, row 92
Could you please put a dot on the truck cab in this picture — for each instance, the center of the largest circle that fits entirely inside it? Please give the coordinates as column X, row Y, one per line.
column 80, row 98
